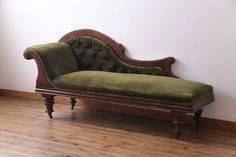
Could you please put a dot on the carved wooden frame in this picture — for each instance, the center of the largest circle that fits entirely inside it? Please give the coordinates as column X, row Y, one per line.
column 178, row 110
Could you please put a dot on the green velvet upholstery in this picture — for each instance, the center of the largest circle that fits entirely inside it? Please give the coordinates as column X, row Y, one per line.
column 145, row 86
column 93, row 54
column 57, row 58
column 87, row 64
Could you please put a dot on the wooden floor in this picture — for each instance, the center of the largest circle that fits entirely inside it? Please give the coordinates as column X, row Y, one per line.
column 26, row 131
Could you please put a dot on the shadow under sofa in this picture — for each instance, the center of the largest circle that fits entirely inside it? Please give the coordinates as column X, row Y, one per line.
column 87, row 64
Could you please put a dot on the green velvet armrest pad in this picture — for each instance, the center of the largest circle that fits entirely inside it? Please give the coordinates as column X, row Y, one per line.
column 57, row 58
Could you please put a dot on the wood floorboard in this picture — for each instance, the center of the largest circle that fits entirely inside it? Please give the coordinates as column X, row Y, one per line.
column 26, row 131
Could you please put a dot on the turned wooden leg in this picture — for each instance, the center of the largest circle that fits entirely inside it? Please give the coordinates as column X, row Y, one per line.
column 72, row 102
column 197, row 117
column 49, row 101
column 178, row 123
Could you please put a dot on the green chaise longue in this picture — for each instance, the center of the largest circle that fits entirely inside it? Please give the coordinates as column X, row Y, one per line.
column 87, row 64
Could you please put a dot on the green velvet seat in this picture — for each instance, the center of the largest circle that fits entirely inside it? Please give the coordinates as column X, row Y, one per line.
column 153, row 87
column 88, row 64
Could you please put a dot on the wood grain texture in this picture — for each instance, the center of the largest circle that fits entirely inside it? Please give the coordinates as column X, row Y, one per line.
column 26, row 131
column 42, row 79
column 119, row 50
column 207, row 123
column 45, row 87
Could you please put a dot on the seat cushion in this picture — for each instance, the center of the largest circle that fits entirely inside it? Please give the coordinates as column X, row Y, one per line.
column 137, row 85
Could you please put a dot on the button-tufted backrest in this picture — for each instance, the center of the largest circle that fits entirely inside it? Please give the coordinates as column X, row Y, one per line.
column 93, row 54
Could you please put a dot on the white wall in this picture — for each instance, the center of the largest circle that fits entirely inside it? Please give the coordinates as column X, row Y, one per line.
column 199, row 33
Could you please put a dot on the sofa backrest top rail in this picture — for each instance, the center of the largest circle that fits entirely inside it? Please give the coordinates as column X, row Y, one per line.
column 119, row 49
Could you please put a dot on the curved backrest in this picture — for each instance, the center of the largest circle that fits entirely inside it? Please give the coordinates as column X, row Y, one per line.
column 96, row 51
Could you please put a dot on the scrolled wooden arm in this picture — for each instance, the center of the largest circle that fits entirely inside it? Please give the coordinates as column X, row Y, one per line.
column 28, row 54
column 42, row 79
column 164, row 63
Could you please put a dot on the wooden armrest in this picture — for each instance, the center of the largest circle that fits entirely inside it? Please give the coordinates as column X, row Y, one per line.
column 164, row 63
column 42, row 79
column 53, row 59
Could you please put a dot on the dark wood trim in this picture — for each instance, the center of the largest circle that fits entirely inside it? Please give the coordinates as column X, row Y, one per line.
column 178, row 120
column 197, row 117
column 20, row 94
column 30, row 95
column 46, row 89
column 44, row 82
column 42, row 79
column 72, row 102
column 119, row 49
column 49, row 102
column 206, row 123
column 126, row 100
